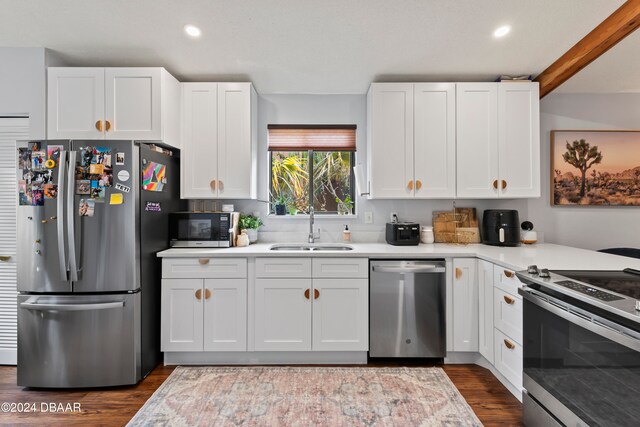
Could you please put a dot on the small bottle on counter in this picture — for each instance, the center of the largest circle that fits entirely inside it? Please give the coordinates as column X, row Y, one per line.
column 346, row 234
column 426, row 235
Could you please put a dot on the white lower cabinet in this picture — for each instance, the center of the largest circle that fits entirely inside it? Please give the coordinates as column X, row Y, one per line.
column 485, row 309
column 283, row 314
column 182, row 318
column 225, row 314
column 340, row 314
column 465, row 305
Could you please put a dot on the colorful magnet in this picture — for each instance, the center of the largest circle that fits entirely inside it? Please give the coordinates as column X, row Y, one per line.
column 122, row 188
column 123, row 176
column 152, row 176
column 119, row 159
column 116, row 199
column 87, row 207
column 50, row 191
column 50, row 164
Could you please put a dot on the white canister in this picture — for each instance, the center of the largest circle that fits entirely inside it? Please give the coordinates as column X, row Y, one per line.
column 426, row 234
column 242, row 239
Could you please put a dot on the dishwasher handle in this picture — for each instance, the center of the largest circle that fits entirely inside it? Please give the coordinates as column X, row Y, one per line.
column 408, row 270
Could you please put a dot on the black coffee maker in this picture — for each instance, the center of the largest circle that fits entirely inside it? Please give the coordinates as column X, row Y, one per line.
column 500, row 227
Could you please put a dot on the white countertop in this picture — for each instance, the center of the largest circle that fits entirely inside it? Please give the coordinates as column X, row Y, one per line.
column 545, row 255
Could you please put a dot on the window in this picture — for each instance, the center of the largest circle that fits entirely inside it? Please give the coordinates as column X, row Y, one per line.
column 318, row 160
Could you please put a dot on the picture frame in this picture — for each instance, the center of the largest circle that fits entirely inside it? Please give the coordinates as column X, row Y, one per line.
column 595, row 168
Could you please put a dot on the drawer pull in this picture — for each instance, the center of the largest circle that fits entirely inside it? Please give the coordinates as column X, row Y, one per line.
column 212, row 184
column 410, row 185
column 316, row 294
column 458, row 273
column 107, row 125
column 418, row 184
column 307, row 293
column 495, row 184
column 509, row 344
column 504, row 184
column 207, row 294
column 99, row 125
column 508, row 300
column 199, row 294
column 508, row 273
column 221, row 185
column 203, row 261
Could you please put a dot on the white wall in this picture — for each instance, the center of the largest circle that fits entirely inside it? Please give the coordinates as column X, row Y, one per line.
column 595, row 227
column 341, row 109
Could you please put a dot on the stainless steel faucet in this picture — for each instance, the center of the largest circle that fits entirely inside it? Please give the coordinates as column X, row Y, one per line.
column 312, row 235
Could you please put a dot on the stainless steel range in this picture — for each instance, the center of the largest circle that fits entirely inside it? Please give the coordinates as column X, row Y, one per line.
column 581, row 347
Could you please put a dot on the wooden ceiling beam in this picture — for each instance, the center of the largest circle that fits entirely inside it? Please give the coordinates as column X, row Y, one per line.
column 624, row 21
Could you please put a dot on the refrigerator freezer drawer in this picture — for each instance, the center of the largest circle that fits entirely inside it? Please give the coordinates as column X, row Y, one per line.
column 78, row 340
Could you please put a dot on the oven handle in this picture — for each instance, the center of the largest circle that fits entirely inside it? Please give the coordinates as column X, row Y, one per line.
column 593, row 323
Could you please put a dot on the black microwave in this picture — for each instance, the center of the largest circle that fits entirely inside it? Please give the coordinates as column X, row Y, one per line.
column 200, row 229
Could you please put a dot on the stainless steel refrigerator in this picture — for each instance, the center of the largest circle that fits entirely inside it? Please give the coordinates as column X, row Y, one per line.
column 88, row 278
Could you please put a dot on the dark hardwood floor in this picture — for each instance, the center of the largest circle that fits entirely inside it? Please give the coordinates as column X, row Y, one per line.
column 490, row 400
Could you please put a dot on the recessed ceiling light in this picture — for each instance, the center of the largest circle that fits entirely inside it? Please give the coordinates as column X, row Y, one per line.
column 192, row 31
column 501, row 31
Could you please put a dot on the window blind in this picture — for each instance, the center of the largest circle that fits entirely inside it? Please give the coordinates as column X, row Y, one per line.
column 312, row 137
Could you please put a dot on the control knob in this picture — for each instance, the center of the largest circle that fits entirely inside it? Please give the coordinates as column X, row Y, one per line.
column 533, row 269
column 544, row 273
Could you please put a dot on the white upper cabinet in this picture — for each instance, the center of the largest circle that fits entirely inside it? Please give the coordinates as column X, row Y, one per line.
column 519, row 139
column 477, row 140
column 219, row 153
column 435, row 140
column 498, row 140
column 75, row 103
column 390, row 140
column 114, row 103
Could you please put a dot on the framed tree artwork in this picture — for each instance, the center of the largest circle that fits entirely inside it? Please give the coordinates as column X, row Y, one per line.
column 595, row 167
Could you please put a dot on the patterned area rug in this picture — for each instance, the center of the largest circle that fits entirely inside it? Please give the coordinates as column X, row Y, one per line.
column 290, row 396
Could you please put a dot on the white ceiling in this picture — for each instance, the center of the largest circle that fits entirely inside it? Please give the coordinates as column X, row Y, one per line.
column 305, row 46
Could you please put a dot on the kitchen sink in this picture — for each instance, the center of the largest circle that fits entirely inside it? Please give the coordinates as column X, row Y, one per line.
column 311, row 247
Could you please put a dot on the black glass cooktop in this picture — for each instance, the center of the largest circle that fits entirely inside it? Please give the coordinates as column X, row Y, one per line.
column 621, row 282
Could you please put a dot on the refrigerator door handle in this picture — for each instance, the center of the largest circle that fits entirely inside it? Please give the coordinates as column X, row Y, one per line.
column 73, row 267
column 72, row 307
column 62, row 193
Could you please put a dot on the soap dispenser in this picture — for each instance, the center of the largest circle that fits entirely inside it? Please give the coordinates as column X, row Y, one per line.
column 346, row 234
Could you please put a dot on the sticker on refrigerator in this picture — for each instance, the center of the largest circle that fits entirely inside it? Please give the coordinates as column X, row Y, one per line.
column 50, row 191
column 83, row 186
column 24, row 158
column 96, row 169
column 153, row 176
column 122, row 188
column 123, row 176
column 24, row 193
column 116, row 199
column 119, row 159
column 97, row 192
column 37, row 160
column 53, row 152
column 86, row 207
column 37, row 196
column 153, row 207
column 102, row 156
column 86, row 156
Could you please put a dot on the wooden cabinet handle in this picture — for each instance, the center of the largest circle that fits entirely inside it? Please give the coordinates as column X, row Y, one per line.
column 203, row 261
column 504, row 184
column 99, row 125
column 508, row 300
column 199, row 294
column 5, row 258
column 107, row 125
column 207, row 293
column 410, row 185
column 418, row 184
column 306, row 293
column 316, row 294
column 508, row 273
column 458, row 273
column 509, row 344
column 212, row 184
column 221, row 185
column 495, row 184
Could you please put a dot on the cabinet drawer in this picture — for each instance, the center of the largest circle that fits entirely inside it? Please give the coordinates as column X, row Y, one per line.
column 507, row 278
column 204, row 268
column 357, row 268
column 283, row 267
column 508, row 358
column 507, row 313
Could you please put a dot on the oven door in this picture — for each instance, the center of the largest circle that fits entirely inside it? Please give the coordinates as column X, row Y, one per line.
column 583, row 369
column 194, row 230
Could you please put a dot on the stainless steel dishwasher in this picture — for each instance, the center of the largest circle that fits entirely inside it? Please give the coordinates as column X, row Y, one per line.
column 407, row 309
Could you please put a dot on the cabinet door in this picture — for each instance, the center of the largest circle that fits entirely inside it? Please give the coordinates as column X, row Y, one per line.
column 340, row 315
column 133, row 104
column 182, row 315
column 225, row 314
column 391, row 141
column 199, row 154
column 435, row 140
column 519, row 139
column 485, row 309
column 75, row 103
column 235, row 153
column 465, row 305
column 477, row 140
column 283, row 315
